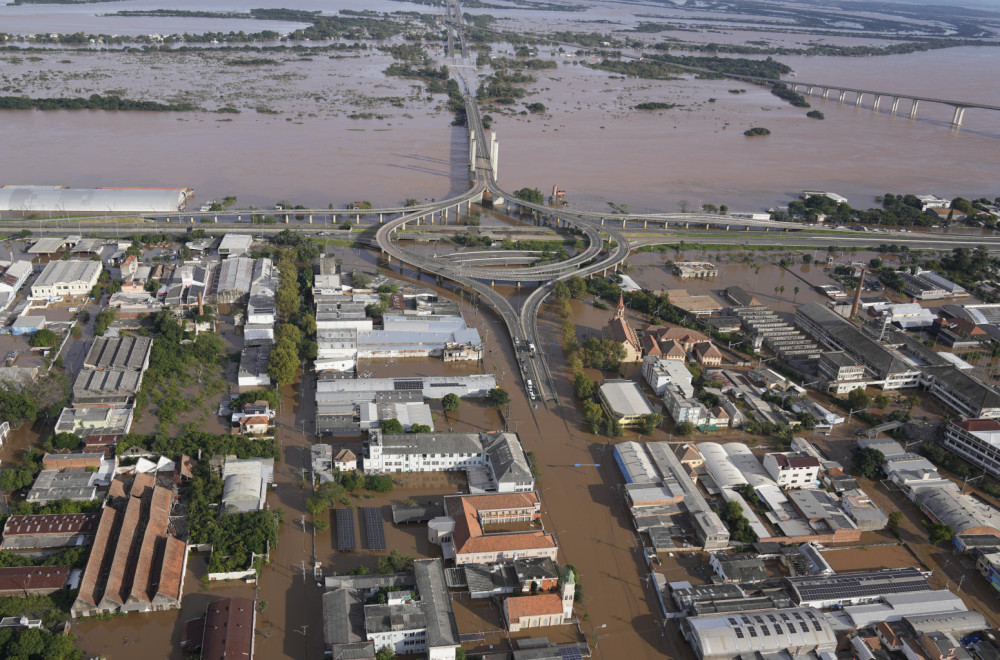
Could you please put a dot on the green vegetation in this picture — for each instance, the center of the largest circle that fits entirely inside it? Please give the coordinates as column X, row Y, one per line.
column 64, row 441
column 895, row 518
column 43, row 337
column 536, row 108
column 782, row 91
column 739, row 526
column 756, row 131
column 450, row 403
column 273, row 398
column 394, row 562
column 655, row 105
column 57, row 506
column 938, row 533
column 93, row 102
column 815, row 114
column 532, row 195
column 74, row 557
column 391, row 426
column 648, row 423
column 868, row 462
column 103, row 321
column 497, row 398
column 190, row 442
column 603, row 354
column 53, row 611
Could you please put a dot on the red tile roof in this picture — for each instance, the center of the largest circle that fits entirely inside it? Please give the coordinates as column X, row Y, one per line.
column 650, row 346
column 15, row 579
column 673, row 348
column 623, row 333
column 682, row 335
column 540, row 605
column 469, row 536
column 172, row 569
column 55, row 524
column 978, row 424
column 228, row 629
column 796, row 461
column 98, row 553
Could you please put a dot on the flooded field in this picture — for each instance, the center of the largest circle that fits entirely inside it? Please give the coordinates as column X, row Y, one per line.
column 870, row 558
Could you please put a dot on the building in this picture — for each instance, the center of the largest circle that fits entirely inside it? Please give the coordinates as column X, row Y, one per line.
column 66, row 279
column 944, row 503
column 447, row 337
column 24, row 581
column 229, row 629
column 928, row 285
column 135, row 564
column 353, row 630
column 472, row 542
column 52, row 485
column 707, row 354
column 893, row 607
column 112, row 389
column 345, row 461
column 740, row 297
column 97, row 201
column 95, row 421
column 863, row 511
column 342, row 313
column 48, row 531
column 683, row 407
column 661, row 372
column 540, row 610
column 695, row 269
column 963, row 393
column 792, row 470
column 841, row 372
column 933, row 202
column 692, row 304
column 624, row 401
column 825, row 591
column 495, row 461
column 253, row 365
column 621, row 331
column 797, row 631
column 245, row 482
column 235, row 245
column 122, row 353
column 977, row 441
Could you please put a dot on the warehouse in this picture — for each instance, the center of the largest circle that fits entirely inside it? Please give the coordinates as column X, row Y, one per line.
column 60, row 199
column 66, row 278
column 799, row 631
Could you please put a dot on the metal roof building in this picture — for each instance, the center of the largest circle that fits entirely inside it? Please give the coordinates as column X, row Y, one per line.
column 59, row 199
column 799, row 631
column 894, row 607
column 720, row 466
column 855, row 588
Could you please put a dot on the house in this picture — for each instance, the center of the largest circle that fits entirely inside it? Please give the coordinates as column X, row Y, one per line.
column 689, row 456
column 672, row 349
column 129, row 265
column 252, row 425
column 621, row 331
column 683, row 336
column 792, row 470
column 135, row 564
column 345, row 461
column 70, row 278
column 650, row 346
column 707, row 354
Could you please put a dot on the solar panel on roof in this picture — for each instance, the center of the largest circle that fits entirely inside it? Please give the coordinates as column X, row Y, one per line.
column 345, row 529
column 570, row 654
column 374, row 528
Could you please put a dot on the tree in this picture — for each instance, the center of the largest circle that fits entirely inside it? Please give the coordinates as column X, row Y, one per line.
column 858, row 399
column 391, row 426
column 684, row 428
column 385, row 653
column 394, row 562
column 43, row 337
column 420, row 428
column 603, row 354
column 938, row 533
column 497, row 398
column 66, row 441
column 379, row 483
column 796, row 291
column 584, row 387
column 531, row 195
column 450, row 403
column 648, row 423
column 282, row 364
column 895, row 518
column 868, row 462
column 881, row 401
column 612, row 428
column 321, row 526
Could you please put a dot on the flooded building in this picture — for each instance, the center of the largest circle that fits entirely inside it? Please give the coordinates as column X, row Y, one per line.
column 447, row 337
column 620, row 331
column 928, row 285
column 95, row 421
column 24, row 581
column 253, row 365
column 47, row 532
column 245, row 482
column 802, row 632
column 695, row 269
column 471, row 540
column 624, row 401
column 136, row 565
column 235, row 245
column 229, row 629
column 694, row 304
column 74, row 485
column 65, row 279
column 977, row 441
column 540, row 610
column 496, row 462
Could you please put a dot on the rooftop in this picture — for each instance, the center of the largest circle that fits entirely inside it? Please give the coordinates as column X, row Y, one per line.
column 229, row 624
column 71, row 270
column 625, row 397
column 538, row 605
column 122, row 352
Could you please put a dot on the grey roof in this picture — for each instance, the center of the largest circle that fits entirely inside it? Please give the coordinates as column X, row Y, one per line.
column 972, row 389
column 507, row 459
column 343, row 617
column 535, row 568
column 394, row 618
column 70, row 484
column 431, row 443
column 948, row 622
column 370, row 581
column 441, row 627
column 772, row 631
column 625, row 397
column 951, row 507
column 254, row 357
column 235, row 243
column 402, row 513
column 92, row 385
column 849, row 586
column 233, row 275
column 820, row 505
column 122, row 352
column 894, row 607
column 877, row 357
column 96, row 200
column 71, row 270
column 840, row 358
column 245, row 482
column 742, row 568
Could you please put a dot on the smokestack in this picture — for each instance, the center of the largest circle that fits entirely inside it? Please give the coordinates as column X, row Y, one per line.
column 857, row 294
column 201, row 303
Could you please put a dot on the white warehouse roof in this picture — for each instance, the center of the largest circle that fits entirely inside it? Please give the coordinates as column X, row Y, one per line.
column 95, row 200
column 720, row 466
column 733, row 634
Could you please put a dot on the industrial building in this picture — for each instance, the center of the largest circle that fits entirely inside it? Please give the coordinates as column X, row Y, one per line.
column 624, row 401
column 800, row 632
column 71, row 278
column 977, row 441
column 245, row 482
column 97, row 201
column 845, row 589
column 34, row 533
column 420, row 336
column 465, row 534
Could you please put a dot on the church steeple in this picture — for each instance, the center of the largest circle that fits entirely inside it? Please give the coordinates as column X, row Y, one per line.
column 620, row 312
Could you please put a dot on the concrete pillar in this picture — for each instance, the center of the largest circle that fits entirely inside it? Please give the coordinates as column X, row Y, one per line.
column 286, row 219
column 623, row 223
column 913, row 109
column 809, row 90
column 687, row 225
column 645, row 223
column 857, row 101
column 333, row 218
column 727, row 227
column 192, row 220
column 895, row 104
column 956, row 119
column 216, row 219
column 380, row 218
column 602, row 222
column 706, row 225
column 878, row 99
column 826, row 93
column 843, row 93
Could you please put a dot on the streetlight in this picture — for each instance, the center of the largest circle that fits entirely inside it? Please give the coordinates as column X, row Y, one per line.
column 854, row 411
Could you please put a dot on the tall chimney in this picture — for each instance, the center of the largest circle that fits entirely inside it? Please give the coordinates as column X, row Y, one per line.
column 201, row 303
column 857, row 294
